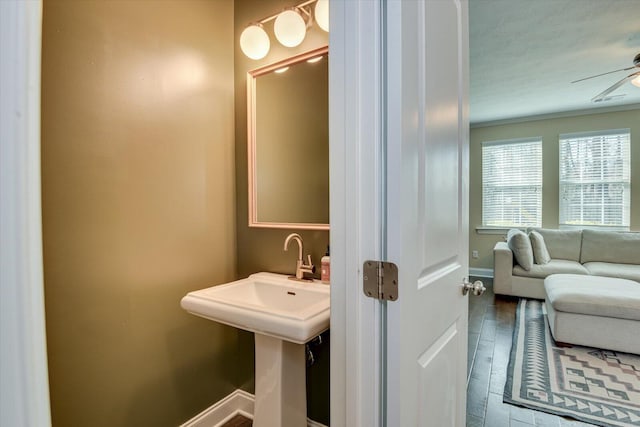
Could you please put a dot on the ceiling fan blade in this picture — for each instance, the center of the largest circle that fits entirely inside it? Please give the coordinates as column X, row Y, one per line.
column 601, row 96
column 603, row 74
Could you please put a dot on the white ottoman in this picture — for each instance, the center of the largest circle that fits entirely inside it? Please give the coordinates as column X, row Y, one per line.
column 594, row 311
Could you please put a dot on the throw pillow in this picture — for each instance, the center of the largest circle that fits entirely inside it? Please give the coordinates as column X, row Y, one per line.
column 540, row 252
column 520, row 245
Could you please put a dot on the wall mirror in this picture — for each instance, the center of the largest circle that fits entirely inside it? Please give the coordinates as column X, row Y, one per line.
column 288, row 143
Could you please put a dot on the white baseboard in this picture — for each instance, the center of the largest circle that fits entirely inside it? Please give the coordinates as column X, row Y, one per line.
column 481, row 272
column 237, row 402
column 311, row 423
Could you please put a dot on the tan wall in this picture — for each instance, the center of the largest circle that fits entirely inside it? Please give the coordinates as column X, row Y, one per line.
column 549, row 130
column 138, row 208
column 261, row 249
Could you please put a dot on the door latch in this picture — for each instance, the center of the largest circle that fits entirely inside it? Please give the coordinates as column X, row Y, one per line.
column 380, row 280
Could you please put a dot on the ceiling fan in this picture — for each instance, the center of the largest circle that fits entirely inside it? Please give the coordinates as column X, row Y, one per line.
column 635, row 77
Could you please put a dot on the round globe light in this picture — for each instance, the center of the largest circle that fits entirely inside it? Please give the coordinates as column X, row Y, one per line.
column 322, row 14
column 254, row 42
column 290, row 28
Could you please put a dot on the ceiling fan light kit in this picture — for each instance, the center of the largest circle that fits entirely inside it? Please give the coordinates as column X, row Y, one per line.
column 634, row 78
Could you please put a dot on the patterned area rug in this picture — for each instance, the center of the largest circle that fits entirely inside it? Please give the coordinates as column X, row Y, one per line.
column 600, row 387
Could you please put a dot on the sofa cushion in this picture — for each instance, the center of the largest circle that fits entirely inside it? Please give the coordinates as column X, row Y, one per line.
column 609, row 269
column 562, row 244
column 520, row 245
column 594, row 295
column 555, row 266
column 610, row 246
column 540, row 252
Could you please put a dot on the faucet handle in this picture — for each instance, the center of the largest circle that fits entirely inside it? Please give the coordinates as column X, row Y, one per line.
column 308, row 268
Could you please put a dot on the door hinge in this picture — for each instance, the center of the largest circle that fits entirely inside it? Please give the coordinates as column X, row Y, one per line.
column 380, row 280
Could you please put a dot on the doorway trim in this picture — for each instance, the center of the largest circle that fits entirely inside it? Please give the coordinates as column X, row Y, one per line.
column 356, row 156
column 23, row 357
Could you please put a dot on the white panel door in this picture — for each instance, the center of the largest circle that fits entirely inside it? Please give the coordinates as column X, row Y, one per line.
column 427, row 211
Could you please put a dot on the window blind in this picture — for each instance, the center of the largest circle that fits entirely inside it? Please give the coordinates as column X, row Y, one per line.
column 512, row 183
column 595, row 179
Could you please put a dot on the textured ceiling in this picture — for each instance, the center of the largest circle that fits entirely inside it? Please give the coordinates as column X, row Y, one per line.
column 525, row 53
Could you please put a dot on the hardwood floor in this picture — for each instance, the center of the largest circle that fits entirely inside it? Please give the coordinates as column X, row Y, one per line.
column 491, row 323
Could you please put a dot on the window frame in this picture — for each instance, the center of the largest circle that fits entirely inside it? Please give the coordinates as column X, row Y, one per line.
column 486, row 228
column 626, row 207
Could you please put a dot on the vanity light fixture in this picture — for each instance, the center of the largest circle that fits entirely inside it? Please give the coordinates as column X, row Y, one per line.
column 322, row 14
column 255, row 42
column 290, row 28
column 314, row 60
column 281, row 70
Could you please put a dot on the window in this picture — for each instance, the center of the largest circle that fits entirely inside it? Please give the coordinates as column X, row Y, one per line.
column 512, row 183
column 595, row 179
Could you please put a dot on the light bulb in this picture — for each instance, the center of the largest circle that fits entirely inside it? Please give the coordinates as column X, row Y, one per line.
column 322, row 14
column 254, row 42
column 290, row 28
column 636, row 81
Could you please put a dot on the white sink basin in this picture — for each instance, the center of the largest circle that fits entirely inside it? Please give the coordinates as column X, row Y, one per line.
column 266, row 303
column 283, row 314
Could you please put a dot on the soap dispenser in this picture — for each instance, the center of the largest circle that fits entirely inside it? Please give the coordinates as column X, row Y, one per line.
column 325, row 268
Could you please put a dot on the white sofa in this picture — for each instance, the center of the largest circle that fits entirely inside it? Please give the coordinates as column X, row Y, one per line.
column 585, row 252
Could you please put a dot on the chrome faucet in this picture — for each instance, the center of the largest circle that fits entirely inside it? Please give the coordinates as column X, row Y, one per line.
column 301, row 267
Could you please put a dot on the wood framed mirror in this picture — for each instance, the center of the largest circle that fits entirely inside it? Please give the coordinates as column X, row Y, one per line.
column 288, row 143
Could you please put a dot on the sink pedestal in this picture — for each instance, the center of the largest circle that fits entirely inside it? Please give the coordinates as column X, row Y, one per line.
column 280, row 312
column 280, row 376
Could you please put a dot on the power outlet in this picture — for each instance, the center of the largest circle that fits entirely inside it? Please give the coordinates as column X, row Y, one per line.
column 474, row 254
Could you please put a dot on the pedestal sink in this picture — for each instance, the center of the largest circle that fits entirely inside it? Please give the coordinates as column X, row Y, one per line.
column 284, row 315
